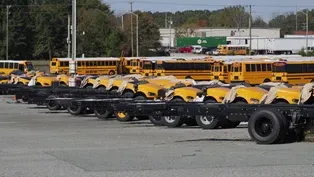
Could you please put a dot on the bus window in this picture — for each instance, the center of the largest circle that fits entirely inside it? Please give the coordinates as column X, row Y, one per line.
column 21, row 67
column 264, row 67
column 30, row 66
column 6, row 65
column 11, row 65
column 253, row 67
column 114, row 63
column 1, row 65
column 269, row 67
column 79, row 63
column 248, row 67
column 258, row 67
column 53, row 63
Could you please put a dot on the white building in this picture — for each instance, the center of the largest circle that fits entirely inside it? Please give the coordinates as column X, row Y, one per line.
column 166, row 34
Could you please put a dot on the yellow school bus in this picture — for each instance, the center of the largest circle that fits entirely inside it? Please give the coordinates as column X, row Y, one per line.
column 220, row 71
column 7, row 66
column 252, row 72
column 89, row 66
column 197, row 69
column 232, row 50
column 130, row 65
column 293, row 72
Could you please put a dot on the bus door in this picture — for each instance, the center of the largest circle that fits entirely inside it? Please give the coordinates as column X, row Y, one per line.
column 236, row 73
column 158, row 69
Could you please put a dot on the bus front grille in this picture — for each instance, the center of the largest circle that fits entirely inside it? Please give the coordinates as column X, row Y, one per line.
column 278, row 78
column 216, row 77
column 236, row 77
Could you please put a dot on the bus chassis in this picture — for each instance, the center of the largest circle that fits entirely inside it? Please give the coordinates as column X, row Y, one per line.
column 267, row 123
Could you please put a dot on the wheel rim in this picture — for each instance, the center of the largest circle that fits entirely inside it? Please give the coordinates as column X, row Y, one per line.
column 122, row 115
column 206, row 120
column 170, row 119
column 264, row 127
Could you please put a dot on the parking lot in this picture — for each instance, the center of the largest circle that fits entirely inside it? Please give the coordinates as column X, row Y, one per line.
column 37, row 142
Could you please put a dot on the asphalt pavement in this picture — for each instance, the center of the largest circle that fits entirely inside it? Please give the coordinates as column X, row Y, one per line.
column 37, row 142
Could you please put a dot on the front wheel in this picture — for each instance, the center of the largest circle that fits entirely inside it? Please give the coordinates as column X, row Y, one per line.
column 268, row 126
column 172, row 121
column 52, row 105
column 75, row 110
column 156, row 120
column 123, row 116
column 101, row 114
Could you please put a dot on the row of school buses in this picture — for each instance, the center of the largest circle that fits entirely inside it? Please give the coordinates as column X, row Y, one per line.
column 254, row 70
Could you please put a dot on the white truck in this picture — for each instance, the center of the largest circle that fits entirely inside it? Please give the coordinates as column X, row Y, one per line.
column 261, row 45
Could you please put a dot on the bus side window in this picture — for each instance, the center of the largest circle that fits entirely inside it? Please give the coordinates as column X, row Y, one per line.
column 248, row 67
column 79, row 63
column 258, row 67
column 16, row 66
column 269, row 67
column 253, row 67
column 114, row 63
column 264, row 67
column 1, row 65
column 6, row 65
column 61, row 63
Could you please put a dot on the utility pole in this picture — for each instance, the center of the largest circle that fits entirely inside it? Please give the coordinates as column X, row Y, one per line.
column 69, row 36
column 122, row 23
column 296, row 18
column 307, row 29
column 250, row 26
column 170, row 35
column 72, row 63
column 131, row 4
column 166, row 20
column 7, row 35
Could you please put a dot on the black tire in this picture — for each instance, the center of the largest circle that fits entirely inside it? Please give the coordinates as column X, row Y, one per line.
column 101, row 114
column 156, row 120
column 52, row 105
column 123, row 116
column 102, row 88
column 173, row 121
column 128, row 95
column 267, row 126
column 208, row 121
column 75, row 110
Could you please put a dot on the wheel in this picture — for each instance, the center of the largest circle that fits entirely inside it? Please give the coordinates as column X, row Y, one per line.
column 75, row 110
column 128, row 95
column 208, row 121
column 172, row 121
column 102, row 89
column 156, row 120
column 112, row 73
column 101, row 114
column 52, row 105
column 267, row 126
column 123, row 116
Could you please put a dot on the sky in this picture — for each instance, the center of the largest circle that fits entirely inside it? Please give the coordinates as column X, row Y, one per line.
column 266, row 8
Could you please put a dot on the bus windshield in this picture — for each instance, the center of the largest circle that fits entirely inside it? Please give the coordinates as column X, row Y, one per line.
column 30, row 66
column 236, row 68
column 279, row 67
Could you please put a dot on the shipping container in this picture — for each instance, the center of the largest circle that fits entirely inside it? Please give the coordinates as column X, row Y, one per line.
column 204, row 42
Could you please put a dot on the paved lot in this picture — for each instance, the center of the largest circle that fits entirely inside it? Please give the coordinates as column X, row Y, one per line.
column 36, row 142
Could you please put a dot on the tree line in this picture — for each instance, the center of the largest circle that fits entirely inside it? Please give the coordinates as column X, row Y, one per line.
column 38, row 28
